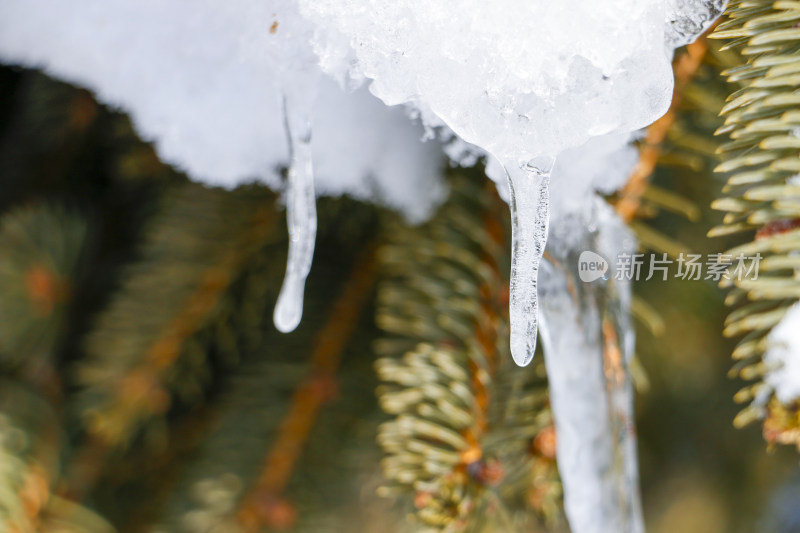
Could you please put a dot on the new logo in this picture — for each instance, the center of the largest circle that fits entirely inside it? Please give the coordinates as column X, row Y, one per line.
column 592, row 266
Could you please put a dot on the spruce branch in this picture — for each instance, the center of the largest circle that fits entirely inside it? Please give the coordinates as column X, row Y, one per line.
column 30, row 461
column 666, row 143
column 465, row 419
column 208, row 480
column 241, row 474
column 65, row 516
column 678, row 139
column 41, row 252
column 52, row 123
column 195, row 249
column 761, row 119
column 263, row 504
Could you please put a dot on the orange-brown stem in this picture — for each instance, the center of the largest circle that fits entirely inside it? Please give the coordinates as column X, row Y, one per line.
column 264, row 505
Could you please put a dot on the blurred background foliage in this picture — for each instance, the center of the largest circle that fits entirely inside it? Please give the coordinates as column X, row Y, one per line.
column 144, row 388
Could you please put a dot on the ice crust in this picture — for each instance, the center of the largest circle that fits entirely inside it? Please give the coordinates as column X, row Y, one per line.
column 522, row 81
column 518, row 79
column 686, row 19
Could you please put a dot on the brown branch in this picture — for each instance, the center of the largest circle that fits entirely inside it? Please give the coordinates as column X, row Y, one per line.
column 494, row 298
column 263, row 505
column 141, row 391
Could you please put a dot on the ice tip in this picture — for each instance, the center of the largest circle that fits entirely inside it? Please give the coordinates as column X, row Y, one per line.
column 522, row 351
column 285, row 320
column 288, row 310
column 522, row 361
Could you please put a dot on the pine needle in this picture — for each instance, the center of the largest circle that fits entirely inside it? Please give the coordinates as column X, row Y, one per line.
column 762, row 120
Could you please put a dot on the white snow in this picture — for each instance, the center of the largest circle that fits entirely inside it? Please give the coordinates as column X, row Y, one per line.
column 601, row 165
column 519, row 79
column 523, row 81
column 204, row 81
column 783, row 357
column 207, row 82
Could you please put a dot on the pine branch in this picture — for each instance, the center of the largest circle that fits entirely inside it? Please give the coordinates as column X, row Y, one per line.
column 205, row 485
column 242, row 474
column 761, row 120
column 465, row 418
column 30, row 450
column 307, row 400
column 194, row 251
column 42, row 247
column 64, row 516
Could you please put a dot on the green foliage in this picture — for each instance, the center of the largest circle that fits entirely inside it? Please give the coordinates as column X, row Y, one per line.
column 29, row 450
column 194, row 251
column 761, row 119
column 41, row 251
column 465, row 418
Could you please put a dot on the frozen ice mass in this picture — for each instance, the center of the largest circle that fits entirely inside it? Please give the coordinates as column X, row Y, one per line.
column 549, row 92
column 522, row 81
column 588, row 342
column 517, row 81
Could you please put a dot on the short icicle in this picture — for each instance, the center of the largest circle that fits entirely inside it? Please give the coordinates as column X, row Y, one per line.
column 301, row 217
column 530, row 213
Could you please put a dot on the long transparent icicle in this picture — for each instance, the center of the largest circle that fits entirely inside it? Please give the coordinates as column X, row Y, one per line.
column 301, row 217
column 530, row 213
column 587, row 340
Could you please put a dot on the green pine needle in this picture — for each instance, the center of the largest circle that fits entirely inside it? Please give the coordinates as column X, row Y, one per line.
column 763, row 123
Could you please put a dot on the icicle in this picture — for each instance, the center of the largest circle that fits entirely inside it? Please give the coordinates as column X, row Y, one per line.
column 587, row 340
column 301, row 216
column 530, row 212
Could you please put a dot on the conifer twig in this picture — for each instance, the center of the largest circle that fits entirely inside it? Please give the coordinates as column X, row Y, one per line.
column 761, row 121
column 263, row 504
column 136, row 388
column 464, row 417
